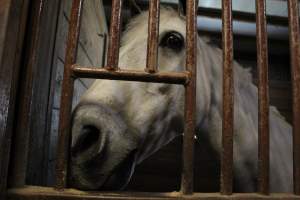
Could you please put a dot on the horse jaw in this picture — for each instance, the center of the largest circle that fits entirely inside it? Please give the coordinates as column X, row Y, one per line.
column 129, row 131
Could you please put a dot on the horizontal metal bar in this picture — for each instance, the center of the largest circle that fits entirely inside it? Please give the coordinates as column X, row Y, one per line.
column 180, row 78
column 45, row 193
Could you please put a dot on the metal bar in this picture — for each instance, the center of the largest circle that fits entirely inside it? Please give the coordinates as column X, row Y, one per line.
column 37, row 193
column 187, row 180
column 131, row 75
column 293, row 8
column 228, row 99
column 153, row 33
column 114, row 36
column 263, row 98
column 66, row 96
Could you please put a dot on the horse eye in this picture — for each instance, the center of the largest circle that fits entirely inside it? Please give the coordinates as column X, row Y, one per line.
column 173, row 40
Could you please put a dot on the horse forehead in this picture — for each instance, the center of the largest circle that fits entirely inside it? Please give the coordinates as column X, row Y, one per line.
column 171, row 21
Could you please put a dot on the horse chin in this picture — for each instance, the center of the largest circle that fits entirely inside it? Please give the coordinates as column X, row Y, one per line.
column 121, row 176
column 87, row 176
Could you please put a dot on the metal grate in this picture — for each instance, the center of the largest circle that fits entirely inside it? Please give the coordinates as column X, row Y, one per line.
column 188, row 79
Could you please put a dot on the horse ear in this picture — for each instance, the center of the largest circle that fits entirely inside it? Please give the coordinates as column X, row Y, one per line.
column 182, row 7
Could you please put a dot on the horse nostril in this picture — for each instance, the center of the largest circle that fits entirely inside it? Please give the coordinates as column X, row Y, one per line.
column 89, row 137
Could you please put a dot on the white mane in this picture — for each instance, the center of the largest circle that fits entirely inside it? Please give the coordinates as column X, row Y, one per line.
column 246, row 125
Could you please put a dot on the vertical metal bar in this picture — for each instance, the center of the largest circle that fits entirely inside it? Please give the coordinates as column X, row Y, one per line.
column 114, row 35
column 295, row 64
column 228, row 99
column 187, row 181
column 263, row 98
column 67, row 95
column 153, row 32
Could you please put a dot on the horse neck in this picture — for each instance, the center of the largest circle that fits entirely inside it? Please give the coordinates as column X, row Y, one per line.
column 246, row 124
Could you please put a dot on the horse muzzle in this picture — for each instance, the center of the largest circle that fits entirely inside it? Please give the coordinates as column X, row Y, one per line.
column 103, row 151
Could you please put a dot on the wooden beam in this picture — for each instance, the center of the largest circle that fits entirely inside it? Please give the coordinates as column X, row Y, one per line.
column 13, row 17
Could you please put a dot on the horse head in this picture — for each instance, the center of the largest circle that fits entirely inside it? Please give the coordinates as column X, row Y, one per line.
column 117, row 124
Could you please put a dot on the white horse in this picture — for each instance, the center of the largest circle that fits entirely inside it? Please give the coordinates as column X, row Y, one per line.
column 118, row 124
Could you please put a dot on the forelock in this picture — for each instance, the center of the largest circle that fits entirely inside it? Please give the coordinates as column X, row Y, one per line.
column 138, row 26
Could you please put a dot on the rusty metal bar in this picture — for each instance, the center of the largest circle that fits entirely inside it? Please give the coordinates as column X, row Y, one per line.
column 263, row 98
column 187, row 180
column 66, row 96
column 114, row 36
column 37, row 193
column 293, row 6
column 228, row 99
column 153, row 33
column 131, row 75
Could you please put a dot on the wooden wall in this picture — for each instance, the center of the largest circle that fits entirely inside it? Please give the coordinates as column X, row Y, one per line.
column 91, row 52
column 13, row 18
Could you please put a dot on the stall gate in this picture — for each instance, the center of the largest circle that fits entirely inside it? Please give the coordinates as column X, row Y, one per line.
column 188, row 79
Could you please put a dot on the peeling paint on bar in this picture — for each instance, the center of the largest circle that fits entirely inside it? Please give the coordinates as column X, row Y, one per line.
column 131, row 75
